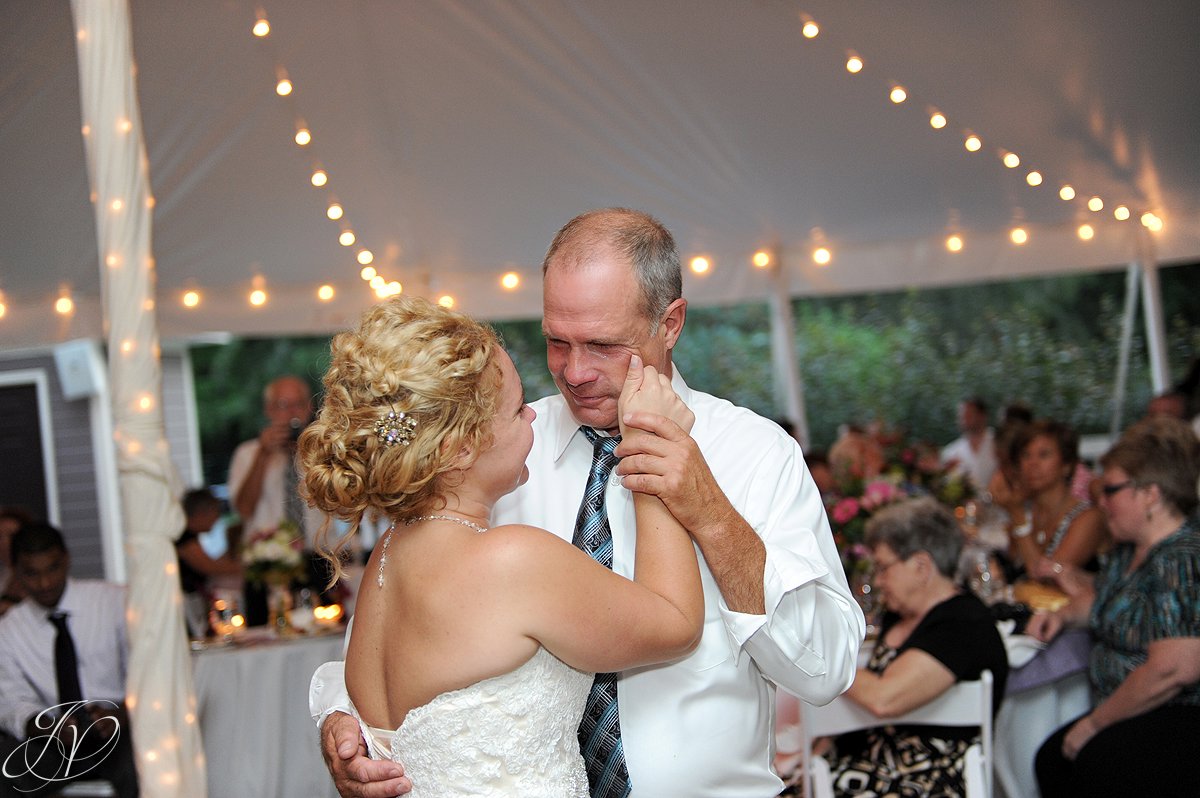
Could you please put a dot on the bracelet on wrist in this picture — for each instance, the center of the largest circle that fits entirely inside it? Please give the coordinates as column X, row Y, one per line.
column 1022, row 530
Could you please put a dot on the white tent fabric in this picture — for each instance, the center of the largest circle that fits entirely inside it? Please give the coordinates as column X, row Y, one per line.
column 159, row 692
column 460, row 135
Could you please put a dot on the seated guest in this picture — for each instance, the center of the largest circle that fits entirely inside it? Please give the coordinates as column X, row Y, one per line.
column 933, row 635
column 11, row 592
column 202, row 510
column 1144, row 615
column 1056, row 528
column 62, row 674
column 856, row 455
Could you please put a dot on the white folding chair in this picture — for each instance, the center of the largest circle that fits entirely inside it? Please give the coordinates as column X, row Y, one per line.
column 964, row 704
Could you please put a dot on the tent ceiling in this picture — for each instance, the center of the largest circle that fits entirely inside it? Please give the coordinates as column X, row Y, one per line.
column 459, row 135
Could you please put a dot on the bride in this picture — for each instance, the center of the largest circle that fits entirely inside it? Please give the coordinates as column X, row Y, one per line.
column 473, row 648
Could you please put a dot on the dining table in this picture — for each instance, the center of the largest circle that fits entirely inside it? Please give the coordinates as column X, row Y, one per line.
column 252, row 706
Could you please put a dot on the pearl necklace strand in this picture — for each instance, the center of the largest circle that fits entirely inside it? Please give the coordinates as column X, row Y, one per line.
column 409, row 522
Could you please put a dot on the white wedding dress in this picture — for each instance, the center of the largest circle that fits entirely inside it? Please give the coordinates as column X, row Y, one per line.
column 511, row 735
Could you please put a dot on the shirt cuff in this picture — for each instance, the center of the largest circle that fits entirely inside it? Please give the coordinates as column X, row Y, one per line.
column 327, row 692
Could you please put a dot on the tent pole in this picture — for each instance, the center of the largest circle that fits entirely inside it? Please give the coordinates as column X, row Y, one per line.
column 158, row 692
column 1156, row 338
column 789, row 384
column 1132, row 281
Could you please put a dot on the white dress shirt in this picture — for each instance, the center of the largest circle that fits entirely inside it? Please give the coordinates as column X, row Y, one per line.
column 977, row 466
column 271, row 509
column 96, row 617
column 703, row 725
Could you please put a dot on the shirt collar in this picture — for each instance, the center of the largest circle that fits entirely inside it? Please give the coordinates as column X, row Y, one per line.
column 562, row 427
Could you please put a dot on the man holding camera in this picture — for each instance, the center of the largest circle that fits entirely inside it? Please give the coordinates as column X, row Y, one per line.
column 262, row 474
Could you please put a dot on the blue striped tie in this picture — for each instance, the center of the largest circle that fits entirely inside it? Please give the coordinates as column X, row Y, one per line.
column 600, row 729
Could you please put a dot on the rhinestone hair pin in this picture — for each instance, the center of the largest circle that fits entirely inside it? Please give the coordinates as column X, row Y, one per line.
column 395, row 428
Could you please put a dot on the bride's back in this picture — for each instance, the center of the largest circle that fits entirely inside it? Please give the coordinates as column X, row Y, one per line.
column 438, row 622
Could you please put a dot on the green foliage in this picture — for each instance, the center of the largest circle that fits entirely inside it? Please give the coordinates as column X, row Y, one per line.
column 903, row 358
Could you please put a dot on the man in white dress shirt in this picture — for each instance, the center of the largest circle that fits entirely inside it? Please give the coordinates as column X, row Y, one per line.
column 778, row 610
column 63, row 656
column 974, row 454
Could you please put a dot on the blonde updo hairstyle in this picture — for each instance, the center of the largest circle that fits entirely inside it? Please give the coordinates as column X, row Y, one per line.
column 421, row 359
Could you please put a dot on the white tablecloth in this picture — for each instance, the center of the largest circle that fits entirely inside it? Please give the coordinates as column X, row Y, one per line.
column 252, row 704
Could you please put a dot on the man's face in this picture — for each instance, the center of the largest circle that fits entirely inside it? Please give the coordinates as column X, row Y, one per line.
column 593, row 324
column 288, row 399
column 970, row 418
column 44, row 575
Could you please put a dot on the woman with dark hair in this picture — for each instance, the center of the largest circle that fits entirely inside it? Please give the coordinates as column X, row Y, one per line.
column 933, row 635
column 1057, row 528
column 1144, row 615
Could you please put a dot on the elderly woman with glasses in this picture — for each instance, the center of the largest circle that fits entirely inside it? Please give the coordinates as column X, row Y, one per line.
column 933, row 635
column 1144, row 614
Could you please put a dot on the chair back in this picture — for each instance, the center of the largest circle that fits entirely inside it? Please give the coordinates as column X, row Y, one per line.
column 964, row 704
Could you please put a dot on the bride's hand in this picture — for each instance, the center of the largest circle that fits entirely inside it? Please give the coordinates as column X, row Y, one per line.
column 647, row 391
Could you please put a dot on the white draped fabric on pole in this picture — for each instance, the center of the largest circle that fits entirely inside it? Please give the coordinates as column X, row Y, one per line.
column 159, row 690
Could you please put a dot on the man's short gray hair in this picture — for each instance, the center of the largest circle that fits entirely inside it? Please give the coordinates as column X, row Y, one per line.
column 637, row 237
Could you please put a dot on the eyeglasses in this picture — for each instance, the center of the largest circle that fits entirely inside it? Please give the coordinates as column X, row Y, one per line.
column 1112, row 490
column 879, row 568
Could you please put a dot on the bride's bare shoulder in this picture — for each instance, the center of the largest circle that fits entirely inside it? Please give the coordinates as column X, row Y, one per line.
column 522, row 541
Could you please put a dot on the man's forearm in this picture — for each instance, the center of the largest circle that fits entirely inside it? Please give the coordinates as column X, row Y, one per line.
column 736, row 557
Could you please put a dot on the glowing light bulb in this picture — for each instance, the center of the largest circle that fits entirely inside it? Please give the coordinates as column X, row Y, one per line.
column 854, row 65
column 1018, row 235
column 761, row 259
column 898, row 95
column 325, row 293
column 116, row 205
column 954, row 243
column 303, row 137
column 377, row 282
column 510, row 280
column 937, row 120
column 1151, row 222
column 261, row 27
column 191, row 299
column 810, row 29
column 394, row 287
column 1095, row 204
column 1121, row 213
column 822, row 256
column 1034, row 178
column 346, row 238
column 365, row 256
column 145, row 402
column 1066, row 193
column 334, row 211
column 319, row 178
column 368, row 273
column 446, row 301
column 972, row 143
column 64, row 306
column 3, row 309
column 700, row 265
column 284, row 87
column 258, row 297
column 1011, row 160
column 124, row 125
column 1086, row 232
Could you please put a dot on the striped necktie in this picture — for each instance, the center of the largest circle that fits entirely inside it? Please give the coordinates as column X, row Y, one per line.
column 600, row 729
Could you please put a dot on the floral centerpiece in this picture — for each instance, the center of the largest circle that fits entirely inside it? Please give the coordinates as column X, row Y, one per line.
column 873, row 470
column 274, row 556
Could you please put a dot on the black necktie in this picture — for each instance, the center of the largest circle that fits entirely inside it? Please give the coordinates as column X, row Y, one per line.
column 66, row 666
column 600, row 729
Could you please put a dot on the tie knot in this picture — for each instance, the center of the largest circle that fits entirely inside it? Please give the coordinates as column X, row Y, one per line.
column 58, row 618
column 604, row 446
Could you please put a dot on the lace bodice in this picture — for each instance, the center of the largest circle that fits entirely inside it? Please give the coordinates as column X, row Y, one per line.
column 513, row 734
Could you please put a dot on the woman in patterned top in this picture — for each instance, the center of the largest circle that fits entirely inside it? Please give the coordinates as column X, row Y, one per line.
column 933, row 635
column 1144, row 614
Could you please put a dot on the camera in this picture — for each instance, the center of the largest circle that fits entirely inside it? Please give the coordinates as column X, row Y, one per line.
column 295, row 427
